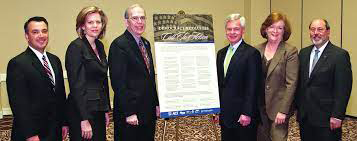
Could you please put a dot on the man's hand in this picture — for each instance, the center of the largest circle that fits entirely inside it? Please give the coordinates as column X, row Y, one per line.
column 132, row 120
column 86, row 129
column 64, row 132
column 335, row 123
column 157, row 111
column 33, row 138
column 244, row 120
column 280, row 118
column 107, row 119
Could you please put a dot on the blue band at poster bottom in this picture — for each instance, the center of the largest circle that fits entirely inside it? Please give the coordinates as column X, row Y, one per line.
column 193, row 112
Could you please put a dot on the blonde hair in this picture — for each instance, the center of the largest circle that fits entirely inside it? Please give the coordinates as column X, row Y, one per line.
column 233, row 17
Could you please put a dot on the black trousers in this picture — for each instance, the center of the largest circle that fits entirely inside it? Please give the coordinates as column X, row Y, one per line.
column 126, row 132
column 97, row 124
column 309, row 132
column 241, row 133
column 53, row 133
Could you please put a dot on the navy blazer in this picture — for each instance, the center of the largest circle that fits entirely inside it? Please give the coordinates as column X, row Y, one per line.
column 35, row 102
column 238, row 91
column 326, row 93
column 133, row 84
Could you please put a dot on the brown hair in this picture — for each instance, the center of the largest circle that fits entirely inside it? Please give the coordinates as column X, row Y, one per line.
column 81, row 18
column 273, row 18
column 327, row 25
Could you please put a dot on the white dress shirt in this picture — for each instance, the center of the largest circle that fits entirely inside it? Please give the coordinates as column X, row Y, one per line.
column 39, row 56
column 312, row 54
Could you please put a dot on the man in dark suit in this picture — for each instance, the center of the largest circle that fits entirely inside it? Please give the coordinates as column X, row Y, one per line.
column 133, row 80
column 324, row 87
column 239, row 80
column 36, row 88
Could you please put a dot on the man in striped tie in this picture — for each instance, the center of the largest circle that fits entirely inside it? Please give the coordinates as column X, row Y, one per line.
column 35, row 87
column 239, row 81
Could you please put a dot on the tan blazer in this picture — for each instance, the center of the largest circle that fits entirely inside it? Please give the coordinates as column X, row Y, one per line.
column 281, row 80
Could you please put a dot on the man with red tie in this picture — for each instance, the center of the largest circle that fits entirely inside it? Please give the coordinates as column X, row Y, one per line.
column 133, row 80
column 35, row 87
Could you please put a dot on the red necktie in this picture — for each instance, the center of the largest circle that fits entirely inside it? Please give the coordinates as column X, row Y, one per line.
column 144, row 54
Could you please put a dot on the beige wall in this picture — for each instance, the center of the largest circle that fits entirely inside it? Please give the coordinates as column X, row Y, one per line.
column 292, row 9
column 256, row 13
column 349, row 42
column 327, row 9
column 61, row 16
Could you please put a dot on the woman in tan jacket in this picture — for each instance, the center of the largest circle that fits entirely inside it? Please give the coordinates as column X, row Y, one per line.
column 280, row 70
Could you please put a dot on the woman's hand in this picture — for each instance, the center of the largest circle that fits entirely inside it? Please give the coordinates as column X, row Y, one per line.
column 280, row 118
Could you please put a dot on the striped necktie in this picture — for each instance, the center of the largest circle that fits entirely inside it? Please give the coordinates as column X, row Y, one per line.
column 48, row 70
column 314, row 61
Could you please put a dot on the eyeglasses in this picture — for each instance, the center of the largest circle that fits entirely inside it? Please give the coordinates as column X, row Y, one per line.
column 137, row 18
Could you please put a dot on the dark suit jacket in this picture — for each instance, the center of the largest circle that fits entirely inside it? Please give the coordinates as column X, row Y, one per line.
column 88, row 79
column 134, row 86
column 35, row 103
column 325, row 94
column 280, row 81
column 239, row 89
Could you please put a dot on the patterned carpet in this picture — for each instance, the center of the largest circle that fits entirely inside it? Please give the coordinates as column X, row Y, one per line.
column 197, row 128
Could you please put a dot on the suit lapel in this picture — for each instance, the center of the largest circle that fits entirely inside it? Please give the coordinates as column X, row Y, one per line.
column 36, row 63
column 55, row 70
column 53, row 64
column 92, row 53
column 276, row 58
column 148, row 50
column 235, row 59
column 135, row 48
column 306, row 64
column 322, row 60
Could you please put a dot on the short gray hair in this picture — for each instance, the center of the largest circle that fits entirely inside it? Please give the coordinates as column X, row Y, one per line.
column 126, row 14
column 233, row 17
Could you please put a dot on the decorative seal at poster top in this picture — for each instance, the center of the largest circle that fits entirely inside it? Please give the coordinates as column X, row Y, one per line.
column 181, row 27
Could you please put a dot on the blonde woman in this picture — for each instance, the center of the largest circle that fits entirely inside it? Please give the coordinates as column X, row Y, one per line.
column 86, row 64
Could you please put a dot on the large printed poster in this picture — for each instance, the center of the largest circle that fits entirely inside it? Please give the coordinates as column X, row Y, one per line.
column 185, row 65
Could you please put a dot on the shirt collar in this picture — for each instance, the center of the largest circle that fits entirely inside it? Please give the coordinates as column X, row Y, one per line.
column 236, row 45
column 38, row 54
column 137, row 39
column 322, row 48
